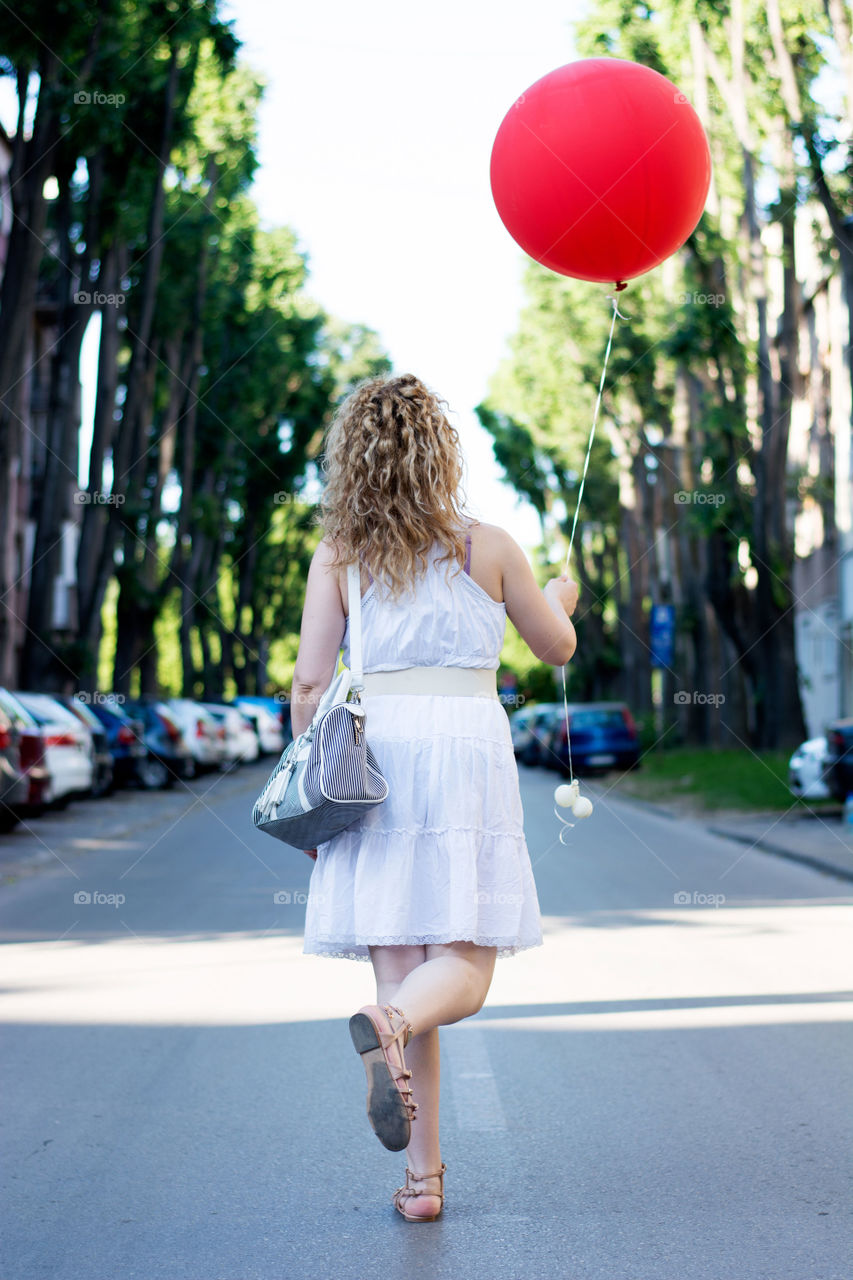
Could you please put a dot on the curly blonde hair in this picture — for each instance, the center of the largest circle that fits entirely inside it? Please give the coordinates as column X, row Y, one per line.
column 393, row 469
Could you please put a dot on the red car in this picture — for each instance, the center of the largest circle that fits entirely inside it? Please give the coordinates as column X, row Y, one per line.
column 24, row 777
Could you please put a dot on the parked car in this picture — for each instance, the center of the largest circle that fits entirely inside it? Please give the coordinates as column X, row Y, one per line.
column 521, row 725
column 278, row 707
column 31, row 762
column 125, row 737
column 167, row 755
column 241, row 741
column 603, row 736
column 14, row 784
column 838, row 772
column 69, row 750
column 204, row 736
column 102, row 779
column 250, row 747
column 32, row 755
column 268, row 730
column 530, row 728
column 806, row 770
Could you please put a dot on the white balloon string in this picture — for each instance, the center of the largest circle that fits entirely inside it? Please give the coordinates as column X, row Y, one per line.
column 616, row 312
column 566, row 826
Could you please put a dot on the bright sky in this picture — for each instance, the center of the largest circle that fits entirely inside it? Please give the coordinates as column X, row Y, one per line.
column 375, row 137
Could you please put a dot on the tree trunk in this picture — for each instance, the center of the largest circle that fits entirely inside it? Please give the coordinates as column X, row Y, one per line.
column 128, row 436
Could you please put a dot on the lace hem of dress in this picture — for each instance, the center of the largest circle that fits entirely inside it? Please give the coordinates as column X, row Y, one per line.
column 344, row 951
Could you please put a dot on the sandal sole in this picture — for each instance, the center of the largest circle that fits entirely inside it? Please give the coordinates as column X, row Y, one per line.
column 386, row 1109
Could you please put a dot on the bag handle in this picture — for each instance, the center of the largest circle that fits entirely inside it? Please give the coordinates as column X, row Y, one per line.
column 355, row 656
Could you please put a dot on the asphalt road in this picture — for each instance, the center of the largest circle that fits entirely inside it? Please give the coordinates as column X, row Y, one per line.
column 662, row 1090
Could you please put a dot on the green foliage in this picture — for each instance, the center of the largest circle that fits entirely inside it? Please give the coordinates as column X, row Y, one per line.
column 713, row 780
column 242, row 369
column 166, row 635
column 686, row 405
column 106, row 653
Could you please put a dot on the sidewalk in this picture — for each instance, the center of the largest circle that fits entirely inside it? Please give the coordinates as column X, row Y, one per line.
column 821, row 840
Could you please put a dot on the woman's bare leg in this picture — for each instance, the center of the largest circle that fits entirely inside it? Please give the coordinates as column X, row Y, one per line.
column 433, row 986
column 451, row 984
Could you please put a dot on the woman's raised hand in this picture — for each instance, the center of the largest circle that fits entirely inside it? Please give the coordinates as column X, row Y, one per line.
column 566, row 591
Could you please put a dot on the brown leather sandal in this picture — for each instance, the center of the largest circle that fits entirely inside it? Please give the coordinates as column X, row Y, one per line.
column 390, row 1108
column 404, row 1192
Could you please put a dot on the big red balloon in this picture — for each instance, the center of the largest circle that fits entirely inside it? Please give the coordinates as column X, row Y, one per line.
column 601, row 169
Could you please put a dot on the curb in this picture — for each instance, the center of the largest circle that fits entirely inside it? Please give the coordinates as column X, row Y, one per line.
column 806, row 859
column 766, row 846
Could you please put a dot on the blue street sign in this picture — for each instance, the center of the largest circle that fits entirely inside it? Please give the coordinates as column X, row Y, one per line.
column 662, row 635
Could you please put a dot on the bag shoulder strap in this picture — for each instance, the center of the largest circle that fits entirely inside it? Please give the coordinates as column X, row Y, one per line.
column 355, row 656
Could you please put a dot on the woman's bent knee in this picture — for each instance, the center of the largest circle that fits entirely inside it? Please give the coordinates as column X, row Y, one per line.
column 392, row 964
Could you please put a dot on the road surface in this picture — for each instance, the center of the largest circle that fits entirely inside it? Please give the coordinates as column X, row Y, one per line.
column 661, row 1091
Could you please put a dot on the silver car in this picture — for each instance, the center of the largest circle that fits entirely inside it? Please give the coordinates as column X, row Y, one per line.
column 203, row 734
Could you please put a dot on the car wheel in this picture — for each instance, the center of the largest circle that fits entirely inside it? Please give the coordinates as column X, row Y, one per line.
column 152, row 773
column 8, row 819
column 102, row 785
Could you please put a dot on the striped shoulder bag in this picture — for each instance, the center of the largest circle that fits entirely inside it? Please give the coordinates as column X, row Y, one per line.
column 328, row 776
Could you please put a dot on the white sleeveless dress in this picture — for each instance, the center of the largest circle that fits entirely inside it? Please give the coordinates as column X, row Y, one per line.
column 444, row 857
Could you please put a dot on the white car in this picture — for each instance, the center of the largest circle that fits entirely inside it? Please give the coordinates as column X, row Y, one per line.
column 203, row 733
column 250, row 747
column 241, row 741
column 268, row 730
column 69, row 750
column 524, row 722
column 805, row 770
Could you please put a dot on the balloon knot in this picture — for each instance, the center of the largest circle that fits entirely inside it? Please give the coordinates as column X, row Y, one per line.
column 620, row 285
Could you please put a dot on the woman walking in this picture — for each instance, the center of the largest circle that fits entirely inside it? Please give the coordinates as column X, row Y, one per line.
column 435, row 883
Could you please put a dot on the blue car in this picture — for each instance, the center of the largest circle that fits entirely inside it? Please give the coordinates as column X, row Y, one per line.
column 167, row 755
column 125, row 737
column 604, row 737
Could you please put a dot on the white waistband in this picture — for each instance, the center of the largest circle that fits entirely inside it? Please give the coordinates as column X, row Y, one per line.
column 477, row 682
